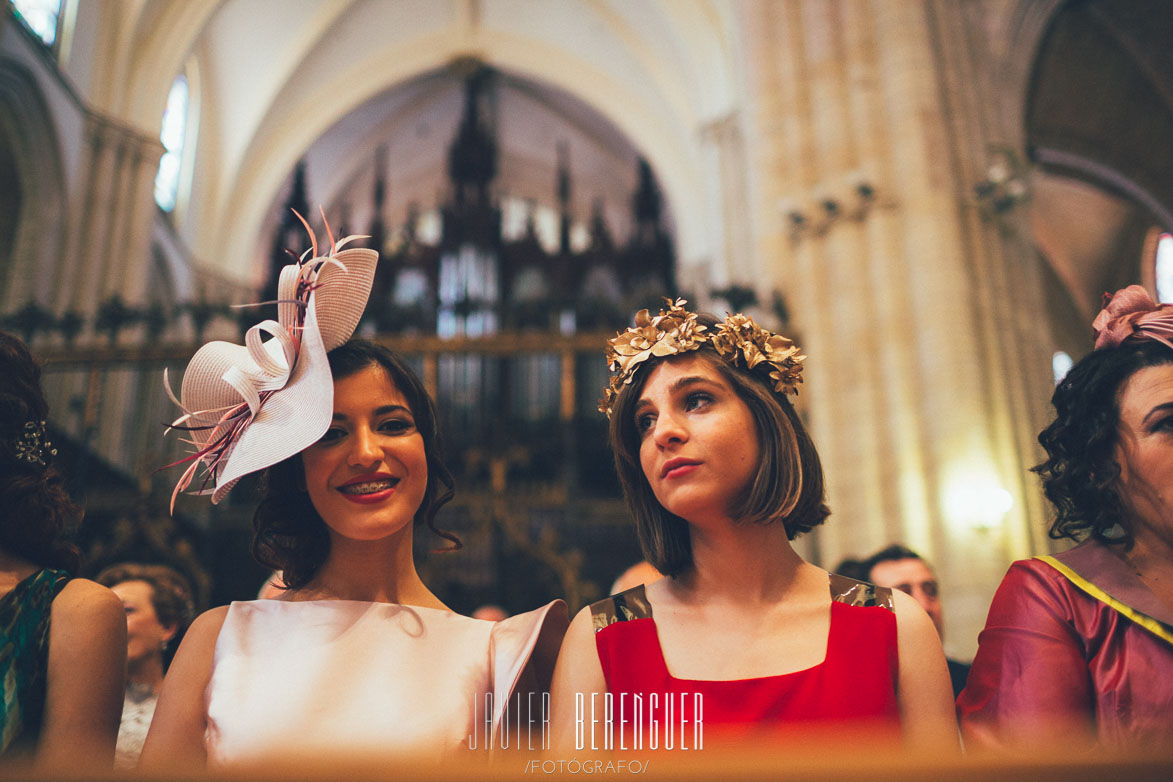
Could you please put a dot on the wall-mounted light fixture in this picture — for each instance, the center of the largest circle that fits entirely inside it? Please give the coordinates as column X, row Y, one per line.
column 861, row 194
column 798, row 222
column 974, row 499
column 1005, row 183
column 830, row 208
column 852, row 198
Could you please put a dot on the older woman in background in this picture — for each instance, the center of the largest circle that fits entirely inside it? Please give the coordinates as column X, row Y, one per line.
column 159, row 608
column 1078, row 647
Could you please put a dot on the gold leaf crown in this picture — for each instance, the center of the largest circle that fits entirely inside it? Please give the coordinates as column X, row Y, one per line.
column 737, row 339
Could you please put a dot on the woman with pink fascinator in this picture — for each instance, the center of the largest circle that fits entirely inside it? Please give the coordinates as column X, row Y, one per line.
column 357, row 657
column 1078, row 647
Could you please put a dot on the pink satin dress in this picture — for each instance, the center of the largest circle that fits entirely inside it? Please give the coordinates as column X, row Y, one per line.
column 341, row 678
column 1076, row 651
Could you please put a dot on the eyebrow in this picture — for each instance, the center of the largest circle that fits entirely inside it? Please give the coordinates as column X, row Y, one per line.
column 683, row 382
column 1157, row 410
column 384, row 410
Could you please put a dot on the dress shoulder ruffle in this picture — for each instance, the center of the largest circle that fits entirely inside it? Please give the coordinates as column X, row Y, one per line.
column 526, row 645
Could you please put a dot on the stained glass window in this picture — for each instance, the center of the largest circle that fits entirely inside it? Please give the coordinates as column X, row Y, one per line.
column 1061, row 363
column 40, row 16
column 1164, row 269
column 172, row 135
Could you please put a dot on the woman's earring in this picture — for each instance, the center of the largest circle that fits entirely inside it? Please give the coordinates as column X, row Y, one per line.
column 1115, row 532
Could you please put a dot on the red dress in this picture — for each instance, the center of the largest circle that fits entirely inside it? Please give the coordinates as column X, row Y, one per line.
column 855, row 685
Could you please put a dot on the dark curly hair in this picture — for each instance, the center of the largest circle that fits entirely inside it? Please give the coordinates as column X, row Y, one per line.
column 36, row 513
column 288, row 533
column 787, row 488
column 1080, row 474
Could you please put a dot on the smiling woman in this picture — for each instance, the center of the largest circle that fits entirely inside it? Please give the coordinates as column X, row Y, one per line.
column 384, row 421
column 742, row 636
column 373, row 432
column 357, row 657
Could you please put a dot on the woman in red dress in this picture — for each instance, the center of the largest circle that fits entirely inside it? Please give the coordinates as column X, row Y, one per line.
column 742, row 634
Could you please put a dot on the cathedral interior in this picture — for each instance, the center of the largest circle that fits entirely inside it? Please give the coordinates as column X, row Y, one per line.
column 929, row 196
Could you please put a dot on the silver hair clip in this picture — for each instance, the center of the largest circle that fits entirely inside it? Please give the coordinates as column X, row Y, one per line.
column 33, row 447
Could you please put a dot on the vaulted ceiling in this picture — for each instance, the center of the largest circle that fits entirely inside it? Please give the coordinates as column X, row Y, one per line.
column 412, row 125
column 1100, row 130
column 274, row 76
column 278, row 80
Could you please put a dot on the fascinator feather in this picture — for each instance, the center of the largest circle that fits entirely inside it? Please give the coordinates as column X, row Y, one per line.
column 247, row 407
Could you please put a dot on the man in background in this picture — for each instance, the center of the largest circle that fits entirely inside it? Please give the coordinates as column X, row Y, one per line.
column 899, row 567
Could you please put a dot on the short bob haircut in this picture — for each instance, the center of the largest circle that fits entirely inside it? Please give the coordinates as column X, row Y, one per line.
column 288, row 533
column 37, row 515
column 788, row 485
column 1080, row 475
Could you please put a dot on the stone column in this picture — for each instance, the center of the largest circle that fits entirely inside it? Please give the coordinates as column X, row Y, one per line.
column 109, row 246
column 922, row 321
column 127, row 274
column 726, row 166
column 82, row 282
column 138, row 214
column 107, row 252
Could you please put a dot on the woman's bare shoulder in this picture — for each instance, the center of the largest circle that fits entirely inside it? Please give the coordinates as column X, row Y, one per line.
column 82, row 600
column 176, row 738
column 910, row 615
column 207, row 624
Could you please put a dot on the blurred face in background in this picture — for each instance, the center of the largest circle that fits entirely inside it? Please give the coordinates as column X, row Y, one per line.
column 913, row 577
column 145, row 635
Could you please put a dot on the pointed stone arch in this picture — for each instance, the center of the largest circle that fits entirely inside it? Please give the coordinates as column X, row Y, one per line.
column 673, row 151
column 28, row 262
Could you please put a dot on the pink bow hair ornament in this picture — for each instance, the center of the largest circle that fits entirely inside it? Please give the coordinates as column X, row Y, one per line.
column 247, row 407
column 1130, row 314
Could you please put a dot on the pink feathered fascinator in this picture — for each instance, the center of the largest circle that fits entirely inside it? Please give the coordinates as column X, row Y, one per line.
column 247, row 407
column 1130, row 314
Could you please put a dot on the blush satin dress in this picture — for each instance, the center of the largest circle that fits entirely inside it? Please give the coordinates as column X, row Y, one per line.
column 342, row 678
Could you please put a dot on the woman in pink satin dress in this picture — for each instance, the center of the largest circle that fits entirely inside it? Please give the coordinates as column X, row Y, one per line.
column 1077, row 651
column 358, row 658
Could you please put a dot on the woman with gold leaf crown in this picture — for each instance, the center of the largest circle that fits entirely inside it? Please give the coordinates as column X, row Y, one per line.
column 742, row 636
column 357, row 658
